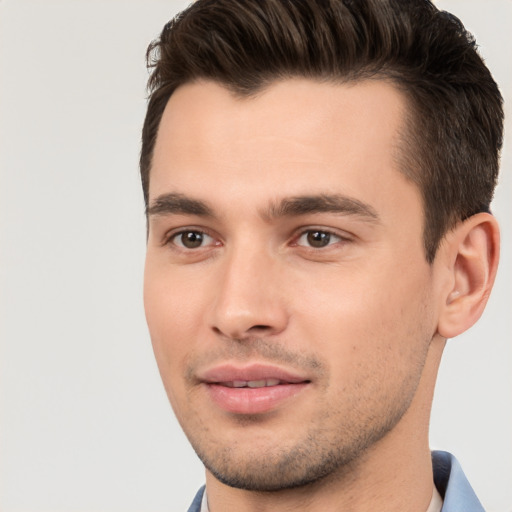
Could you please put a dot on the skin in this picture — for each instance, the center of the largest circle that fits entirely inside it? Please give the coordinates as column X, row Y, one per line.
column 362, row 319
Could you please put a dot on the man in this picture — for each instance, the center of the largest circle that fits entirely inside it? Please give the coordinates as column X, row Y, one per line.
column 317, row 176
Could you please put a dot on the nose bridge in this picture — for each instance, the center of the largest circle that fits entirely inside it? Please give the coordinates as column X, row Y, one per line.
column 248, row 296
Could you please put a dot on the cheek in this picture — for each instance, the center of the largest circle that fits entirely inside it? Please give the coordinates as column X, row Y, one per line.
column 171, row 314
column 172, row 299
column 167, row 321
column 362, row 320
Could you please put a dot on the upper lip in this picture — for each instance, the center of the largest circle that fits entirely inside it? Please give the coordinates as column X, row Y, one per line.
column 252, row 372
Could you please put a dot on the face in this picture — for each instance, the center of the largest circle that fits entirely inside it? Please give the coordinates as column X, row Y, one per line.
column 287, row 294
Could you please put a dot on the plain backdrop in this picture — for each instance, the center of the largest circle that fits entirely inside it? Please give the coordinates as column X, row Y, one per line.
column 85, row 424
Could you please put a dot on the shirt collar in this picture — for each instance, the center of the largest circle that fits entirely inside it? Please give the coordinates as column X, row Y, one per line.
column 436, row 502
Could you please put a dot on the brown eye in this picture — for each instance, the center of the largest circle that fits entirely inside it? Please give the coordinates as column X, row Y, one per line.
column 318, row 239
column 191, row 239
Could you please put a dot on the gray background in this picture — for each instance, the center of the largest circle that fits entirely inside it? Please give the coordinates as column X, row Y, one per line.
column 85, row 424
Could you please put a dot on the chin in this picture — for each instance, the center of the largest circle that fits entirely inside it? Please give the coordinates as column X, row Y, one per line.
column 277, row 468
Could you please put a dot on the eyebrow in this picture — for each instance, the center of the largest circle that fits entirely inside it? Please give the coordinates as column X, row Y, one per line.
column 175, row 203
column 180, row 204
column 322, row 203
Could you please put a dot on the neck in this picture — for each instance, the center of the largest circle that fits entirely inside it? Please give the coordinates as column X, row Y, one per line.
column 394, row 474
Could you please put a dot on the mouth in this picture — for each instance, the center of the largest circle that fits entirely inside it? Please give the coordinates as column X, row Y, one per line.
column 253, row 384
column 254, row 389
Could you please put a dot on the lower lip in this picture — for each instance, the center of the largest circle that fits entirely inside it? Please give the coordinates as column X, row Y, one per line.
column 253, row 400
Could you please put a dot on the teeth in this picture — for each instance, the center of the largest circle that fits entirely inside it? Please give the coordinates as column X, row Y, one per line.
column 256, row 383
column 251, row 383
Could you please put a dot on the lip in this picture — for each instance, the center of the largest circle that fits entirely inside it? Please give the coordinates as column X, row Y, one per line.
column 230, row 372
column 248, row 400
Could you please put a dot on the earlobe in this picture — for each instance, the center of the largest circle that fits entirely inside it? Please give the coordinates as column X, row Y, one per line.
column 472, row 254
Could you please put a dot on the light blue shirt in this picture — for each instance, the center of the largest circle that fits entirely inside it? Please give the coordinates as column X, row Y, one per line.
column 449, row 479
column 452, row 484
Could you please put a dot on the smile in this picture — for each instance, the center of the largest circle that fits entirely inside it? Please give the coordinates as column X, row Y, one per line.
column 251, row 389
column 252, row 383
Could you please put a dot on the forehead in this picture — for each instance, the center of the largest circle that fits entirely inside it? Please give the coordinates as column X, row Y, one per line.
column 293, row 137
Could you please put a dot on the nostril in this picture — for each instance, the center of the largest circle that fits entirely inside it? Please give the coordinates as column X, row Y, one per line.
column 259, row 328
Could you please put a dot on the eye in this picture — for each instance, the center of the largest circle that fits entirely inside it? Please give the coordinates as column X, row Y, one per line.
column 191, row 239
column 317, row 238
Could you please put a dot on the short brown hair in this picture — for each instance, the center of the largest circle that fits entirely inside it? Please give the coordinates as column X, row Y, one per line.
column 455, row 127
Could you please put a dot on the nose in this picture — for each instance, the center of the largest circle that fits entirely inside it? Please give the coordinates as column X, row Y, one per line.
column 250, row 300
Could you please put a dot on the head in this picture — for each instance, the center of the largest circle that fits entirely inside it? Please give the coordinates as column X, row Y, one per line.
column 317, row 176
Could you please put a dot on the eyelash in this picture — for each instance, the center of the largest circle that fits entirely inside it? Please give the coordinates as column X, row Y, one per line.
column 171, row 238
column 324, row 234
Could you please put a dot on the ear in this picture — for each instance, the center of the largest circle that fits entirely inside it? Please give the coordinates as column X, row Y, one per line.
column 471, row 253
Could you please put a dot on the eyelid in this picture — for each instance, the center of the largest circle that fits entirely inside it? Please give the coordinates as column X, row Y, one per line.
column 176, row 239
column 340, row 236
column 169, row 236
